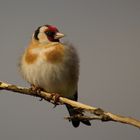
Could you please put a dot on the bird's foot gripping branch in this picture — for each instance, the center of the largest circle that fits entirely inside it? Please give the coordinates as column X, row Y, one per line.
column 95, row 113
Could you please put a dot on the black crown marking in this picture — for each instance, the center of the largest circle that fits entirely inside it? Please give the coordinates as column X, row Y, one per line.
column 36, row 33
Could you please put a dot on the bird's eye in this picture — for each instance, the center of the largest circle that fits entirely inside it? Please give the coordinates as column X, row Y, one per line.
column 49, row 33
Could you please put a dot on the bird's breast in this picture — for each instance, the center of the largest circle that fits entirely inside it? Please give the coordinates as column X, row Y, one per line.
column 50, row 69
column 51, row 54
column 55, row 55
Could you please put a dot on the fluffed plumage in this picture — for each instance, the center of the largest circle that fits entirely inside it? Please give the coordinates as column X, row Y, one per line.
column 51, row 65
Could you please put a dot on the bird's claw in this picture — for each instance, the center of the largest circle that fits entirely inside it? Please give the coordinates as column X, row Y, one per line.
column 36, row 89
column 55, row 97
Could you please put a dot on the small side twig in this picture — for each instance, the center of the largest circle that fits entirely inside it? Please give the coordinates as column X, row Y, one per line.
column 99, row 114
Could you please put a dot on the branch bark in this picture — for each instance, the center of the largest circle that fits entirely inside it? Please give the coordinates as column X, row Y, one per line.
column 98, row 113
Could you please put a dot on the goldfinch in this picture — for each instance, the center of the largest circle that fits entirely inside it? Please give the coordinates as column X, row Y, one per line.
column 52, row 66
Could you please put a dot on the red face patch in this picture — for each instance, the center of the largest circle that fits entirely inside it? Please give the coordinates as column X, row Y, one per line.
column 52, row 28
column 50, row 32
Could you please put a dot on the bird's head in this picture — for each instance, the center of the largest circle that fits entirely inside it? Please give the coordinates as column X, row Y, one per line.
column 47, row 34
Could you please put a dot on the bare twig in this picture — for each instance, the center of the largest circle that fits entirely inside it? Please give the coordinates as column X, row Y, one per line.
column 99, row 114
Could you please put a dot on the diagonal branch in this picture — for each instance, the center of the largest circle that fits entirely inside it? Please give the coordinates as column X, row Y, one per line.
column 99, row 114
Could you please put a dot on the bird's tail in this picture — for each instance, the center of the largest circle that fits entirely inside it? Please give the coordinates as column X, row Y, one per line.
column 73, row 112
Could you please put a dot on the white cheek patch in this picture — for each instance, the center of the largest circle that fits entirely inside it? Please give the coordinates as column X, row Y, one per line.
column 42, row 36
column 43, row 29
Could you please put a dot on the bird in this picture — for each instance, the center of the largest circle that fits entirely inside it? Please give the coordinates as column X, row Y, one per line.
column 53, row 66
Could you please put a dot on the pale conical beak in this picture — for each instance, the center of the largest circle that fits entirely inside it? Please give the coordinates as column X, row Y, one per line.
column 58, row 35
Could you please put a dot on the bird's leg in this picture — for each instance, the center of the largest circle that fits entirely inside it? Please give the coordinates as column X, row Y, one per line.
column 56, row 97
column 36, row 89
